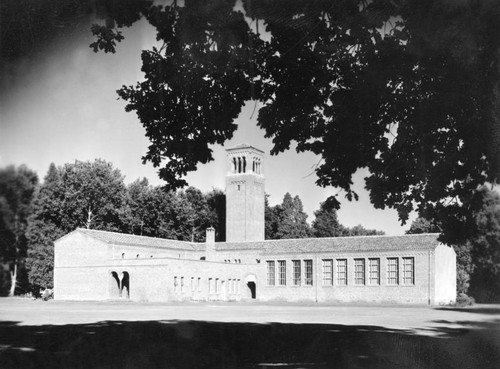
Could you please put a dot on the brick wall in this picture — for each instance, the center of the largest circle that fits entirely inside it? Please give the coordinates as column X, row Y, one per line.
column 417, row 292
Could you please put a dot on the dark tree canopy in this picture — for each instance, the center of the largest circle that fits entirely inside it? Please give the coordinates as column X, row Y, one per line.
column 326, row 223
column 408, row 89
column 478, row 256
column 286, row 220
column 17, row 187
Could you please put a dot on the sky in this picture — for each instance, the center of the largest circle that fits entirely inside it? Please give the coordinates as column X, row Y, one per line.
column 62, row 106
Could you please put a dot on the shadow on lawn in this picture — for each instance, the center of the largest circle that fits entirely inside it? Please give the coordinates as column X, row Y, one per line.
column 200, row 344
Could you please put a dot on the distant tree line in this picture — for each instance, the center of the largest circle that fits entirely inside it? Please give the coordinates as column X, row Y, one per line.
column 288, row 220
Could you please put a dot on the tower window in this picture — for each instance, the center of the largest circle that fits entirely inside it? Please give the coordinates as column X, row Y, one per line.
column 238, row 187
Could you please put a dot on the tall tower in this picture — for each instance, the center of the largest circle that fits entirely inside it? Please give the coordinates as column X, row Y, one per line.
column 244, row 194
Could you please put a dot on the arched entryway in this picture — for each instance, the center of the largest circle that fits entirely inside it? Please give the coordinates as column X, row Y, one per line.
column 125, row 285
column 119, row 285
column 251, row 282
column 114, row 285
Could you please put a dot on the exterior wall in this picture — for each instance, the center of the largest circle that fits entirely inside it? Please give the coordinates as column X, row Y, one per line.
column 248, row 256
column 78, row 262
column 90, row 269
column 420, row 292
column 446, row 275
column 141, row 252
column 244, row 207
column 165, row 279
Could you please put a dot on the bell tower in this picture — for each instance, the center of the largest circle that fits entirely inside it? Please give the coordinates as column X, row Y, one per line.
column 244, row 194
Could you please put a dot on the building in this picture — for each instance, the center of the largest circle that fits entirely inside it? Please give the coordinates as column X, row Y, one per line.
column 99, row 265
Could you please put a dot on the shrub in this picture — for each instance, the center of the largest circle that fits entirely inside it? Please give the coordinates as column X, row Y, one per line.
column 464, row 300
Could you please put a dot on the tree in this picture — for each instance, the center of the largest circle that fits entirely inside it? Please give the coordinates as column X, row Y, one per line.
column 292, row 221
column 216, row 200
column 423, row 225
column 82, row 194
column 17, row 186
column 271, row 219
column 326, row 223
column 193, row 215
column 407, row 89
column 485, row 281
column 478, row 257
column 359, row 230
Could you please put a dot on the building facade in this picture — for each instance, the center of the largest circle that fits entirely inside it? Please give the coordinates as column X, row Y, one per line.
column 99, row 265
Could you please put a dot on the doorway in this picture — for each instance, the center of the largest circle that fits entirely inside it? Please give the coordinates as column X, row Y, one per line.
column 253, row 289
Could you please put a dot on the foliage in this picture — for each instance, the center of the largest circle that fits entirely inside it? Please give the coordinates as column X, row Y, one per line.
column 464, row 300
column 286, row 220
column 478, row 257
column 82, row 194
column 326, row 223
column 17, row 186
column 359, row 230
column 271, row 219
column 194, row 215
column 423, row 225
column 216, row 200
column 485, row 281
column 407, row 89
column 465, row 267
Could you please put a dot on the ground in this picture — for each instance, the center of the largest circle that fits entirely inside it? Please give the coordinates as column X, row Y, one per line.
column 119, row 334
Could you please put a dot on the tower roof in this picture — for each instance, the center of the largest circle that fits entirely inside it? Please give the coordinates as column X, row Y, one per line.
column 244, row 147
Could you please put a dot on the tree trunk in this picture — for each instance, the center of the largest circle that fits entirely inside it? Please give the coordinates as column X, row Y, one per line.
column 13, row 280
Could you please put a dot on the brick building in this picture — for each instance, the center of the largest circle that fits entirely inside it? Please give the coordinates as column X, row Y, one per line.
column 99, row 265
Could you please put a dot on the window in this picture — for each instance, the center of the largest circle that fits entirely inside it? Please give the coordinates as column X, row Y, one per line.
column 327, row 272
column 408, row 271
column 192, row 284
column 392, row 271
column 296, row 272
column 374, row 271
column 308, row 266
column 182, row 284
column 238, row 287
column 175, row 284
column 270, row 273
column 210, row 285
column 342, row 272
column 281, row 272
column 217, row 289
column 359, row 271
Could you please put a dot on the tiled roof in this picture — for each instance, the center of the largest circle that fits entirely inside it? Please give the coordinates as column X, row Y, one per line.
column 417, row 242
column 133, row 240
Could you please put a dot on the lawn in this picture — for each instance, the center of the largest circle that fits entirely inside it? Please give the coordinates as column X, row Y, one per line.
column 60, row 334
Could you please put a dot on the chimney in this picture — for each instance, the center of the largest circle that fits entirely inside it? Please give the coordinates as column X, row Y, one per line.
column 210, row 244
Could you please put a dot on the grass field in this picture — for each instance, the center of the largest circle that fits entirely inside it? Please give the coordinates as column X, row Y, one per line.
column 115, row 334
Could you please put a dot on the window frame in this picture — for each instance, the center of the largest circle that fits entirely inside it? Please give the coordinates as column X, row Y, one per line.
column 270, row 273
column 308, row 272
column 281, row 273
column 297, row 272
column 393, row 271
column 359, row 272
column 341, row 271
column 327, row 272
column 408, row 273
column 374, row 273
